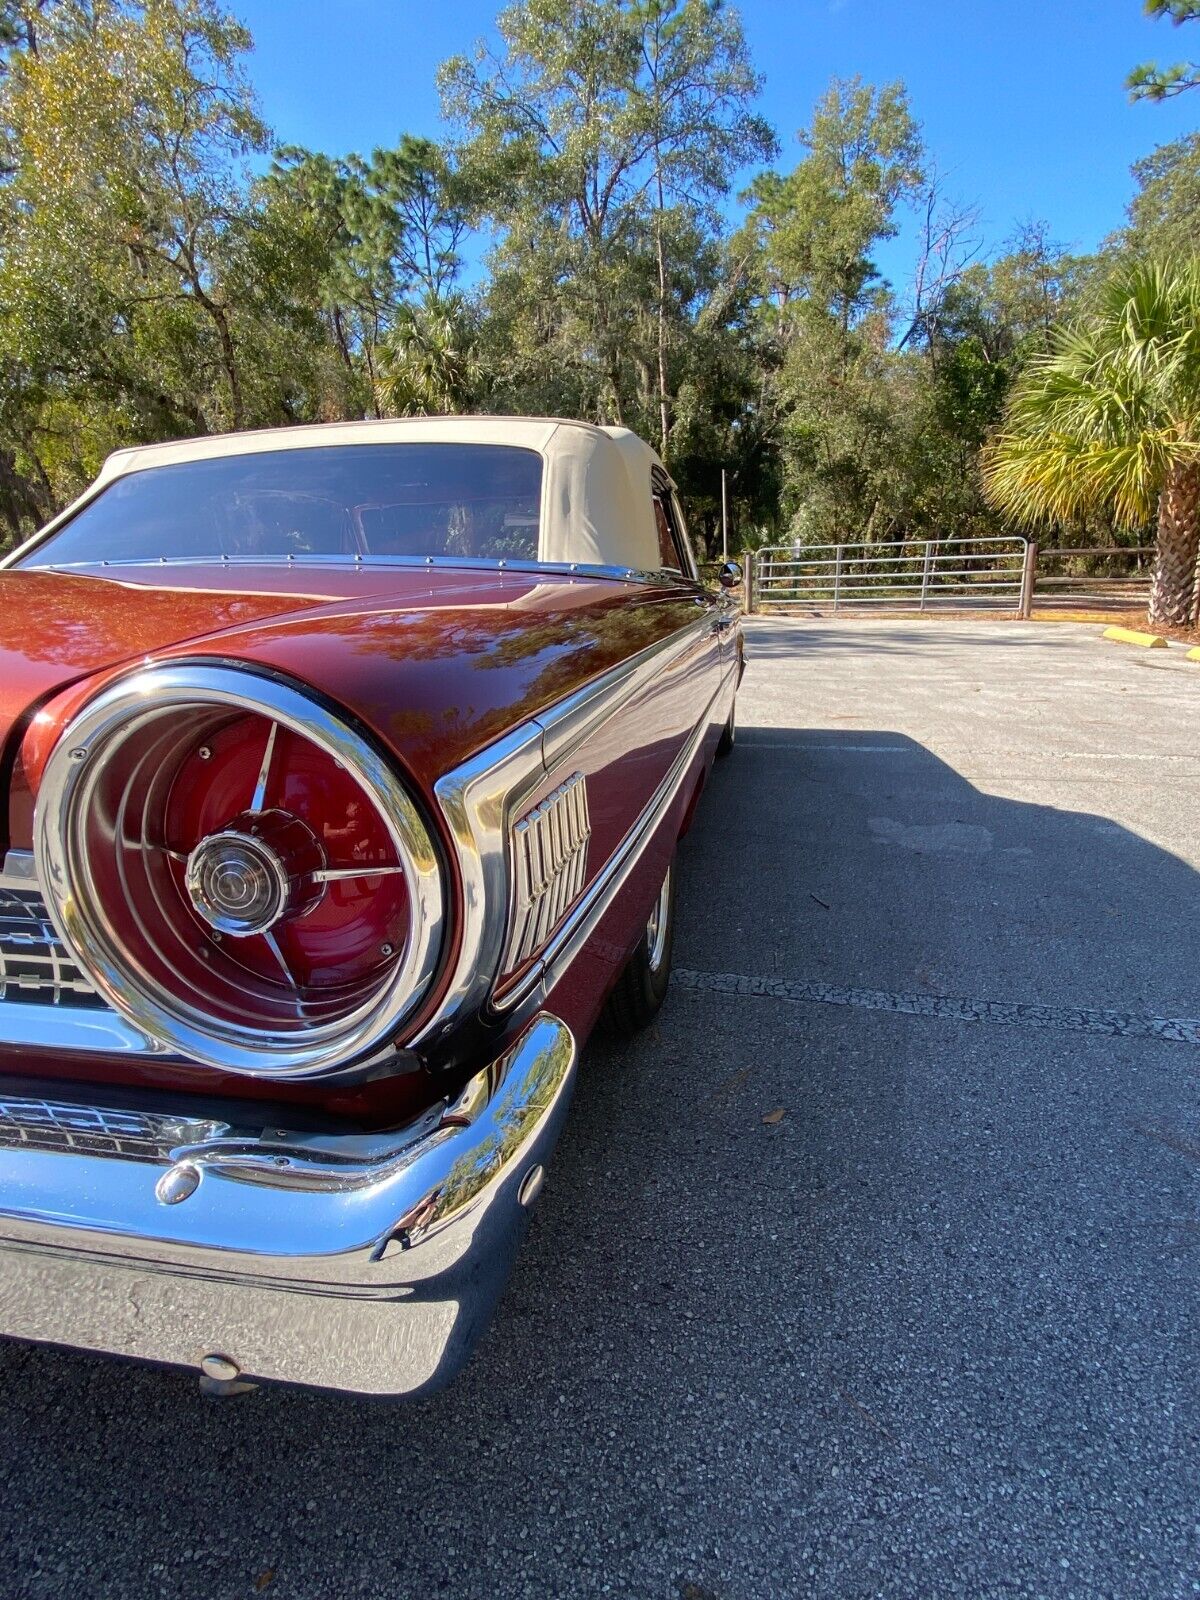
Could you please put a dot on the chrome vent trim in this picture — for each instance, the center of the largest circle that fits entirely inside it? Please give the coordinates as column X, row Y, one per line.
column 35, row 967
column 549, row 850
column 92, row 1130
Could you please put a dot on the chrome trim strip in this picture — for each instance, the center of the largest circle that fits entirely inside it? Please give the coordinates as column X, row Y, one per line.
column 18, row 870
column 94, row 1028
column 569, row 569
column 77, row 911
column 366, row 1263
column 477, row 800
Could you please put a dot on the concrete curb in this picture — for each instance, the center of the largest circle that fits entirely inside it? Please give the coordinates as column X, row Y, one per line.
column 1149, row 641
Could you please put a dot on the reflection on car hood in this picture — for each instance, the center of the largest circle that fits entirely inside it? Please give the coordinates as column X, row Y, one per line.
column 437, row 661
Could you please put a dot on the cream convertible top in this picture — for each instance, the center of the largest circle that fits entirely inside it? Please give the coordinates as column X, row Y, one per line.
column 596, row 498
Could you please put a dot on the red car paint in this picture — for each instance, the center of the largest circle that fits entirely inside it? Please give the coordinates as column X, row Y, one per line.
column 435, row 663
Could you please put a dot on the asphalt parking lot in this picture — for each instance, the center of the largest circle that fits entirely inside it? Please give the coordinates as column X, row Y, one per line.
column 930, row 1330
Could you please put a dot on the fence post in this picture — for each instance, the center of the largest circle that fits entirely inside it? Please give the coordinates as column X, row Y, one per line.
column 748, row 580
column 837, row 578
column 925, row 571
column 1028, row 579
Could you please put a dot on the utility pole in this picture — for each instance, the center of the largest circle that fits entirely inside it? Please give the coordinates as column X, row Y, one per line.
column 724, row 520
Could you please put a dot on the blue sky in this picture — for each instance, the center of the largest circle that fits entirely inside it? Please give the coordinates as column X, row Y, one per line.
column 1021, row 102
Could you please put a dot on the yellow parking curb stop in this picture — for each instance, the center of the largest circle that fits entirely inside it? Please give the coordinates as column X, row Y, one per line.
column 1152, row 641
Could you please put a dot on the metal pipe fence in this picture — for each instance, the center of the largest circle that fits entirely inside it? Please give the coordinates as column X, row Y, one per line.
column 991, row 573
column 1011, row 575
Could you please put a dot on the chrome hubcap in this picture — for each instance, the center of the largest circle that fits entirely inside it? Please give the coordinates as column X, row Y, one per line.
column 657, row 927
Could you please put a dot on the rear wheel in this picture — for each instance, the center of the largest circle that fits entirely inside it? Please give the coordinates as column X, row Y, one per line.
column 728, row 734
column 642, row 987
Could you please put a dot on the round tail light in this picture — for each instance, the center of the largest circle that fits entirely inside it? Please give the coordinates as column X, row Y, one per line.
column 239, row 871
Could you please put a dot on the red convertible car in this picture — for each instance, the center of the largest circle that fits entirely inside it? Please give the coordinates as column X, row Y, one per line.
column 345, row 768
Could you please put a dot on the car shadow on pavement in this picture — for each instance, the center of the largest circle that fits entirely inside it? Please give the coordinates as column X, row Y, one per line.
column 834, row 1290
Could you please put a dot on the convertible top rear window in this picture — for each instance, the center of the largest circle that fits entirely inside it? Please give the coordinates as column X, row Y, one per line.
column 460, row 501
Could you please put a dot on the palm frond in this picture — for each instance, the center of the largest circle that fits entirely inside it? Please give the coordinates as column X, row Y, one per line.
column 1102, row 418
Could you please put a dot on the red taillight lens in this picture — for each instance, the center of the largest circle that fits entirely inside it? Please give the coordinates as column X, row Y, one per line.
column 249, row 882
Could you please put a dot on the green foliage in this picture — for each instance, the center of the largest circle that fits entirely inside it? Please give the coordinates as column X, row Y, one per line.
column 1164, row 215
column 159, row 277
column 881, row 401
column 816, row 227
column 824, row 311
column 1108, row 419
column 430, row 360
column 598, row 142
column 1152, row 82
column 152, row 287
column 122, row 129
column 383, row 232
column 1101, row 419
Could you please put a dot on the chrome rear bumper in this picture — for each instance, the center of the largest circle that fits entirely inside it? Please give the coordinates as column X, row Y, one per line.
column 361, row 1262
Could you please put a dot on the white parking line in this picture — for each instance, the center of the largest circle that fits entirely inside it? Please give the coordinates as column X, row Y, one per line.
column 951, row 1008
column 827, row 746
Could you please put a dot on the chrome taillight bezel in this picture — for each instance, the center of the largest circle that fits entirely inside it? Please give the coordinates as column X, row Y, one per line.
column 94, row 735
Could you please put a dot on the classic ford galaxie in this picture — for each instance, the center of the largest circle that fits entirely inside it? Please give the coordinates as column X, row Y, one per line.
column 344, row 769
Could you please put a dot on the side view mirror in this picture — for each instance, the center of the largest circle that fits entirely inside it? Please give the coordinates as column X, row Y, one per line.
column 730, row 575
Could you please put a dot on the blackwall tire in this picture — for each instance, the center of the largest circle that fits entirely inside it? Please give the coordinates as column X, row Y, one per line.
column 728, row 735
column 642, row 987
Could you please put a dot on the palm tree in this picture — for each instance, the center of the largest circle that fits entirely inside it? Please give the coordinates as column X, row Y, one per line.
column 1109, row 420
column 429, row 365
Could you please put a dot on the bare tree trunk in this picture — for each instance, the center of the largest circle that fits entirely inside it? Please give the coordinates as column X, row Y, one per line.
column 237, row 411
column 614, row 377
column 342, row 342
column 186, row 265
column 1172, row 589
column 664, row 416
column 220, row 321
column 22, row 507
column 372, row 380
column 652, row 51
